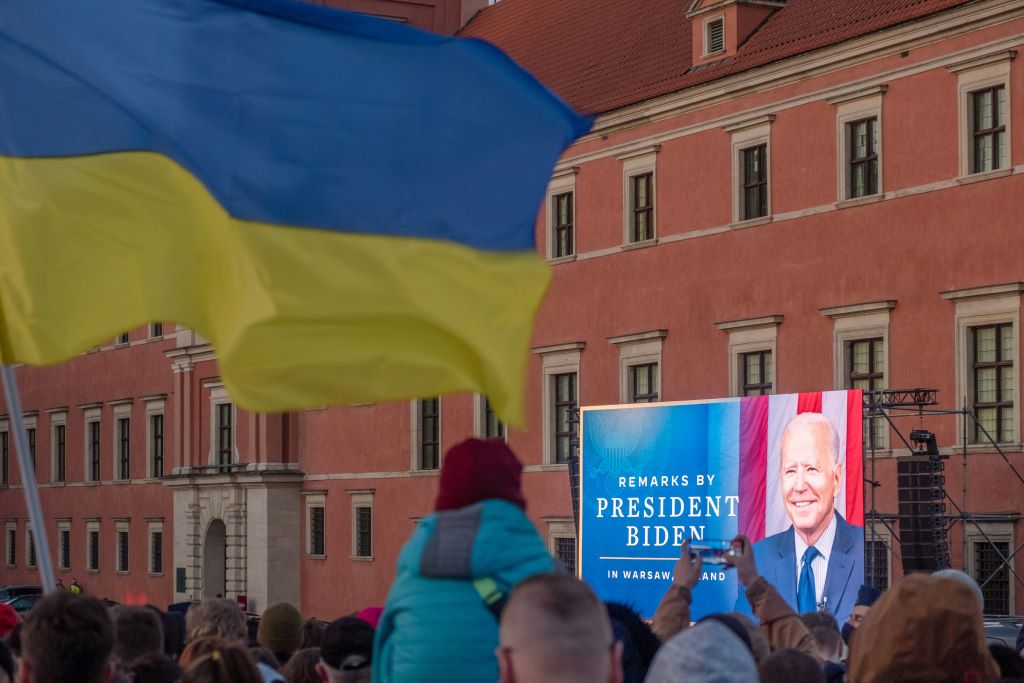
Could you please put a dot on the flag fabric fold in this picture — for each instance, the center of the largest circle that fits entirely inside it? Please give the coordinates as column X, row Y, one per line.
column 343, row 206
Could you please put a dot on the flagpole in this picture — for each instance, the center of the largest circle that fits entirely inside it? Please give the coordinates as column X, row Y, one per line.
column 28, row 480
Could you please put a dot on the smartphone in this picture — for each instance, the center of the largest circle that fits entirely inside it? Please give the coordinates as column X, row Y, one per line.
column 715, row 551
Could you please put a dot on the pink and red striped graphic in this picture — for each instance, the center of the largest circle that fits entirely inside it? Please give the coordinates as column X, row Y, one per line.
column 762, row 420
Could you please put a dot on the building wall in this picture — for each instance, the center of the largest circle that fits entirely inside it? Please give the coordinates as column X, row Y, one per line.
column 930, row 232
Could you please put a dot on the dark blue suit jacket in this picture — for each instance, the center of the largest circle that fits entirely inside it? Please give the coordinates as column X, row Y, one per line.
column 776, row 562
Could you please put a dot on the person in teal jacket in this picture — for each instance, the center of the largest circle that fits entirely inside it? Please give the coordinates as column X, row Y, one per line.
column 440, row 621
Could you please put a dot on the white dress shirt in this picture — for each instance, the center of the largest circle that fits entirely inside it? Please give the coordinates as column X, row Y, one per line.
column 820, row 563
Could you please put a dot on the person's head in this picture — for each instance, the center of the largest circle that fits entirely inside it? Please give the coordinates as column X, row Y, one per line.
column 811, row 474
column 759, row 646
column 137, row 632
column 639, row 644
column 280, row 630
column 301, row 666
column 312, row 632
column 929, row 627
column 155, row 668
column 790, row 666
column 226, row 664
column 262, row 655
column 966, row 580
column 173, row 624
column 554, row 628
column 1011, row 665
column 215, row 617
column 825, row 630
column 708, row 651
column 67, row 638
column 6, row 663
column 200, row 647
column 346, row 649
column 477, row 470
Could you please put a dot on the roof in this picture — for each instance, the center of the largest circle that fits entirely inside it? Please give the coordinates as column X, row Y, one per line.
column 601, row 55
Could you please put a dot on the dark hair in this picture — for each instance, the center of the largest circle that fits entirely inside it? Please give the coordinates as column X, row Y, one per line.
column 312, row 633
column 173, row 624
column 639, row 644
column 823, row 619
column 790, row 666
column 1011, row 665
column 14, row 638
column 265, row 656
column 301, row 666
column 137, row 632
column 227, row 664
column 68, row 637
column 6, row 660
column 155, row 668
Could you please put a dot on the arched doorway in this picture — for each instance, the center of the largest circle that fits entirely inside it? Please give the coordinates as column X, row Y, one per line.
column 215, row 560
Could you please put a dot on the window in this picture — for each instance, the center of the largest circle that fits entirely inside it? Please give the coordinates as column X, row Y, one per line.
column 30, row 549
column 156, row 330
column 643, row 383
column 64, row 545
column 93, row 446
column 565, row 551
column 225, row 435
column 562, row 541
column 316, row 530
column 122, row 338
column 984, row 125
column 60, row 452
column 714, row 36
column 124, row 455
column 992, row 380
column 92, row 540
column 642, row 207
column 31, row 431
column 755, row 182
column 757, row 373
column 752, row 366
column 121, row 529
column 362, row 523
column 429, row 431
column 638, row 194
column 863, row 158
column 988, row 109
column 12, row 545
column 566, row 418
column 5, row 459
column 562, row 229
column 156, row 445
column 866, row 367
column 156, row 552
column 751, row 148
column 993, row 575
column 876, row 565
column 490, row 426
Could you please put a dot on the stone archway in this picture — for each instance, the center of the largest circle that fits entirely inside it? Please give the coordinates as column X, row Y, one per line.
column 215, row 554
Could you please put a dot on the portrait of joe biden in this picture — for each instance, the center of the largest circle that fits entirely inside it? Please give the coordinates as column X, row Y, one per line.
column 818, row 562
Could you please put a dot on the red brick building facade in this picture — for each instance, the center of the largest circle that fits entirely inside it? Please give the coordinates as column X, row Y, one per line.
column 776, row 196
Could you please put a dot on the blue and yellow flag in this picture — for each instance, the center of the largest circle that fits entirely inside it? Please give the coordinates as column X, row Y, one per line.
column 344, row 206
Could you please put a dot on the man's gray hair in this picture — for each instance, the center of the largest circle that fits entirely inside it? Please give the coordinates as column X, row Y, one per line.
column 804, row 420
column 216, row 617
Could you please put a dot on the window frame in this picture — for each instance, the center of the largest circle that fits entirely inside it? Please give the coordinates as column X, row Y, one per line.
column 123, row 447
column 154, row 528
column 563, row 181
column 746, row 336
column 642, row 348
column 748, row 134
column 708, row 42
column 418, row 416
column 851, row 108
column 555, row 360
column 5, row 454
column 973, row 75
column 638, row 181
column 556, row 406
column 1000, row 362
column 639, row 162
column 122, row 547
column 482, row 419
column 59, row 446
column 219, row 397
column 878, row 532
column 93, row 558
column 559, row 528
column 315, row 500
column 997, row 132
column 361, row 499
column 155, row 408
column 763, row 388
column 11, row 544
column 755, row 181
column 64, row 544
column 31, row 557
column 998, row 531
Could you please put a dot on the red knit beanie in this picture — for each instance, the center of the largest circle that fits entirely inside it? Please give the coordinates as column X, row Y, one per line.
column 476, row 470
column 8, row 619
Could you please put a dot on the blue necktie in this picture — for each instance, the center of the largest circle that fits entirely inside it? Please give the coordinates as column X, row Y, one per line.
column 806, row 598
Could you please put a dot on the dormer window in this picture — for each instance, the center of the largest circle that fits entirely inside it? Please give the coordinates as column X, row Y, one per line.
column 714, row 36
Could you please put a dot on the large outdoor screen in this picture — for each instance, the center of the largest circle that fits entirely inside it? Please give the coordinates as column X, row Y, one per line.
column 655, row 474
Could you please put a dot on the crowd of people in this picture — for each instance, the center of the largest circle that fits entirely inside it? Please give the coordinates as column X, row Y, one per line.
column 477, row 598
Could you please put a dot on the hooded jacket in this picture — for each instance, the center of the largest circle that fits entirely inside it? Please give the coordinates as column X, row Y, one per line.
column 435, row 625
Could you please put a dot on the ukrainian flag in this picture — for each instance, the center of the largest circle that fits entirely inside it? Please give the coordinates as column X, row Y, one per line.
column 344, row 206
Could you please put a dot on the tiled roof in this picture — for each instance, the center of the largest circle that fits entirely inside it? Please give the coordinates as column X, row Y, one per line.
column 604, row 54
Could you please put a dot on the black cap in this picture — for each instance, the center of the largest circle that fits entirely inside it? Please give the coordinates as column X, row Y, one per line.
column 344, row 637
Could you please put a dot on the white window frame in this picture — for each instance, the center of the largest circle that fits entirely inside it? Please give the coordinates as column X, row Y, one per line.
column 121, row 526
column 749, row 335
column 63, row 527
column 415, row 416
column 641, row 348
column 361, row 498
column 154, row 407
column 745, row 134
column 705, row 33
column 562, row 181
column 997, row 531
column 155, row 526
column 30, row 547
column 851, row 107
column 5, row 429
column 10, row 549
column 977, row 307
column 556, row 360
column 31, row 421
column 121, row 410
column 58, row 418
column 90, row 415
column 91, row 526
column 635, row 163
column 980, row 73
column 151, row 331
column 562, row 527
column 480, row 419
column 218, row 397
column 313, row 500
